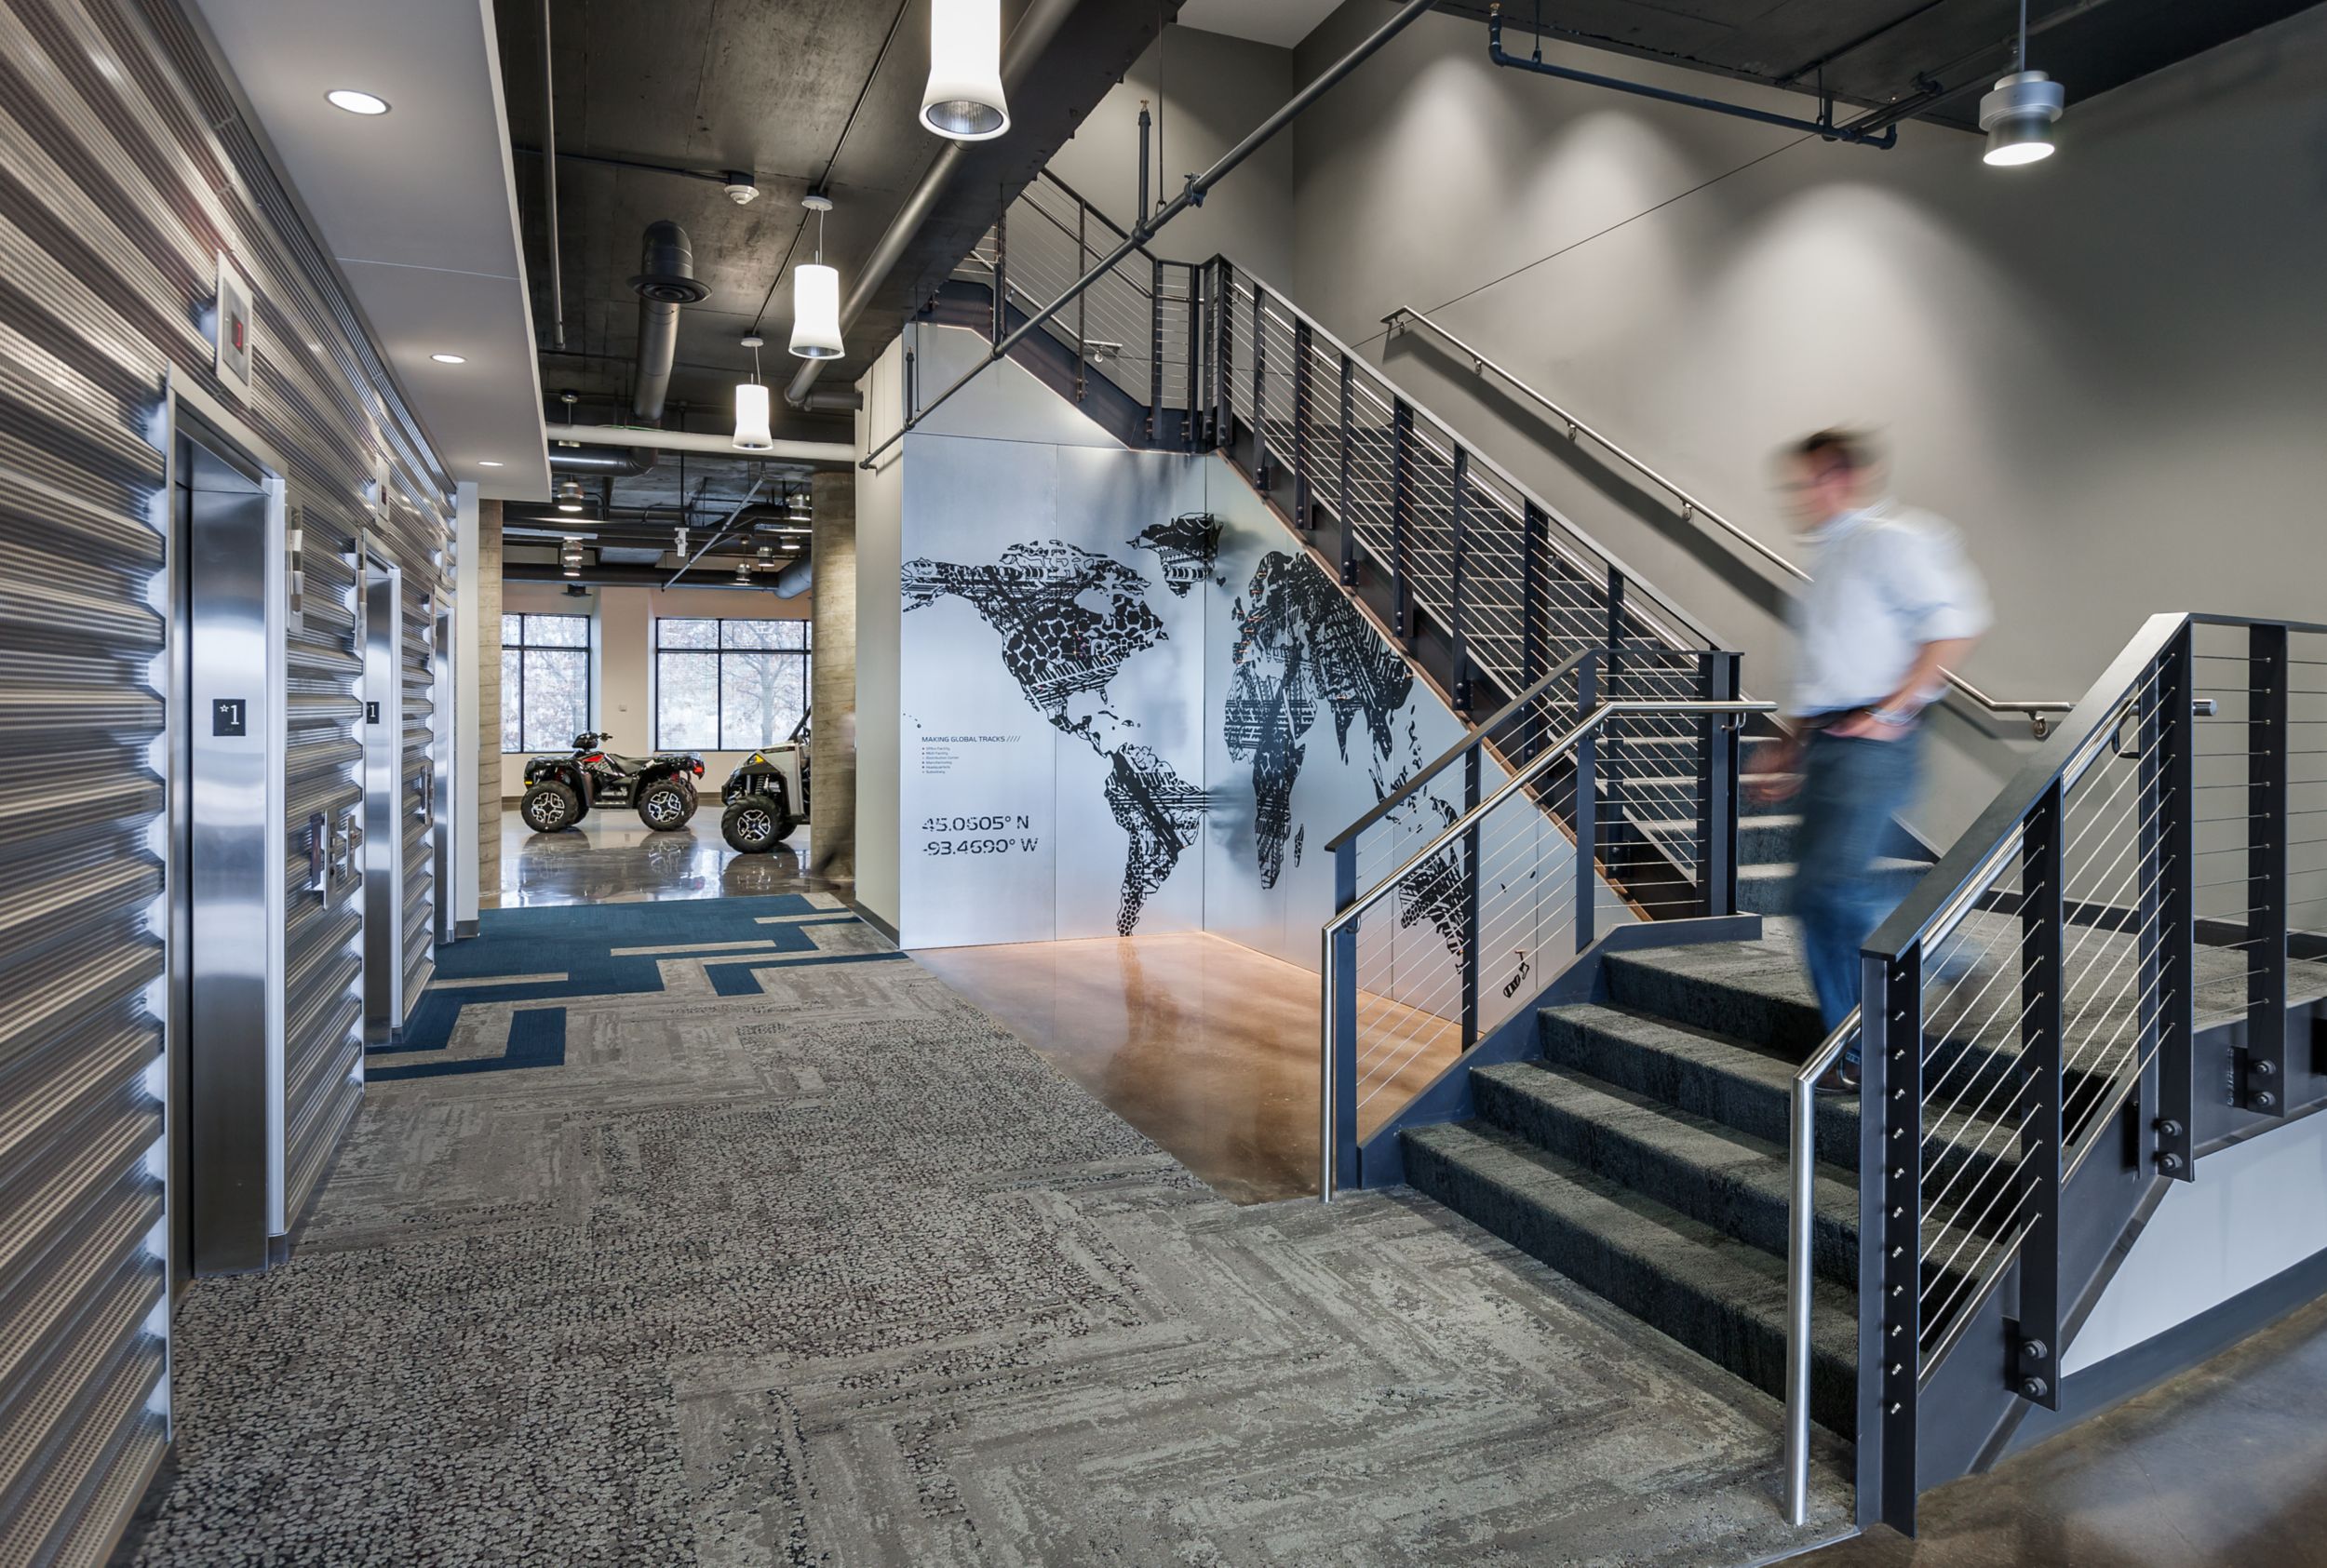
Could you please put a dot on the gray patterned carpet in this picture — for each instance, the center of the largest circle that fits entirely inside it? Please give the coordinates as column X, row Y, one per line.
column 837, row 1271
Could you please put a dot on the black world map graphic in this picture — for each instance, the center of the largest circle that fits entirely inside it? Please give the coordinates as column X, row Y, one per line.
column 1069, row 620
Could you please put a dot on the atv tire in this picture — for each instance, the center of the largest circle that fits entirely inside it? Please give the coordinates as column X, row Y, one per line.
column 550, row 808
column 665, row 806
column 755, row 825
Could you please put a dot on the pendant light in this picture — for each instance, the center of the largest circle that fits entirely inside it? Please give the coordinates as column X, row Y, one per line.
column 964, row 100
column 2018, row 115
column 569, row 496
column 752, row 433
column 816, row 296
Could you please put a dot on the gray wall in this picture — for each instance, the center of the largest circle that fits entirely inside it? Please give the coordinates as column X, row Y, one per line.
column 2104, row 367
column 1213, row 90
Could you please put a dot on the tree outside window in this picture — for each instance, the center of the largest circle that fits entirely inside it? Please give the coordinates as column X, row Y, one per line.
column 729, row 685
column 544, row 681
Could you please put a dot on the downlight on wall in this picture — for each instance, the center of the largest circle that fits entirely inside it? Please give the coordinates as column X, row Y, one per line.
column 752, row 433
column 2019, row 115
column 964, row 100
column 816, row 296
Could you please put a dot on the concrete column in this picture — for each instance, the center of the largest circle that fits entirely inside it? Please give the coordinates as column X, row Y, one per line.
column 832, row 744
column 488, row 644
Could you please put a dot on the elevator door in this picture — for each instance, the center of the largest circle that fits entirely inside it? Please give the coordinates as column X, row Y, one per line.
column 218, row 1142
column 383, row 827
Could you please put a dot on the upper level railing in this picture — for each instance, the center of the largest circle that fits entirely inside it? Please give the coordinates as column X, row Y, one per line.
column 1404, row 318
column 2032, row 1009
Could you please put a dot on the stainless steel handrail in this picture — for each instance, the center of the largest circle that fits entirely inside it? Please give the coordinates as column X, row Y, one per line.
column 1449, row 835
column 1800, row 1237
column 1691, row 508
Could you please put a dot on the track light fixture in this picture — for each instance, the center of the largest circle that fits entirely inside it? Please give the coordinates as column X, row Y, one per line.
column 569, row 496
column 816, row 296
column 964, row 100
column 752, row 433
column 2019, row 115
column 743, row 572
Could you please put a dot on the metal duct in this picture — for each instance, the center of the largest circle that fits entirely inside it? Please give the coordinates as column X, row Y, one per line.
column 831, row 454
column 794, row 580
column 665, row 281
column 612, row 462
column 609, row 574
column 1033, row 35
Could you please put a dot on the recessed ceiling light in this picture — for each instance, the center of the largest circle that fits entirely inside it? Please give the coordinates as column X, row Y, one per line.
column 489, row 463
column 355, row 102
column 449, row 358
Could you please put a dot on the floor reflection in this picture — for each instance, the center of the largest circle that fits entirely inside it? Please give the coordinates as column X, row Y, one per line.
column 612, row 857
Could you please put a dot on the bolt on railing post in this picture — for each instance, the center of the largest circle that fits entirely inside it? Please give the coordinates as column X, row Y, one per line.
column 1716, row 794
column 1301, row 518
column 1155, row 348
column 1457, row 612
column 1470, row 870
column 1587, row 807
column 1338, row 1069
column 2168, row 866
column 1345, row 488
column 1260, row 387
column 1401, row 463
column 2032, row 1359
column 1890, row 1241
column 2261, row 1081
column 1001, row 276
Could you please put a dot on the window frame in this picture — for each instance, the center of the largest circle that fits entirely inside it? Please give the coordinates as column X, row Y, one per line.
column 587, row 648
column 718, row 653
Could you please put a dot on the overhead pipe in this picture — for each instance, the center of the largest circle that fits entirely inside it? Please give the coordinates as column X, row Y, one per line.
column 796, row 579
column 1199, row 185
column 831, row 454
column 549, row 169
column 666, row 280
column 1856, row 132
column 608, row 574
column 1034, row 33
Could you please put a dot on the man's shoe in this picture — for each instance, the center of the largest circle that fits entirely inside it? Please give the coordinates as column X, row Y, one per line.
column 1840, row 1078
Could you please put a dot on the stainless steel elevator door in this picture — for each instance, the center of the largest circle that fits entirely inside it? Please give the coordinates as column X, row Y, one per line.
column 220, row 1144
column 383, row 827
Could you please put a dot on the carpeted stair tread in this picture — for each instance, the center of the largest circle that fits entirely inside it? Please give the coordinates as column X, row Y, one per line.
column 1723, row 1298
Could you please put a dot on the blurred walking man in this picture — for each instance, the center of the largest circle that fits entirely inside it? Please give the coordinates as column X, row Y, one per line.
column 1893, row 603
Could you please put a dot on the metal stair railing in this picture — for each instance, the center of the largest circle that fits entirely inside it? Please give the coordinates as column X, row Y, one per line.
column 1480, row 905
column 2033, row 1007
column 1404, row 318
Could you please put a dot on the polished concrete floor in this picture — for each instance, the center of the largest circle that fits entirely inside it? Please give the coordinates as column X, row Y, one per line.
column 1207, row 1047
column 612, row 857
column 2224, row 1466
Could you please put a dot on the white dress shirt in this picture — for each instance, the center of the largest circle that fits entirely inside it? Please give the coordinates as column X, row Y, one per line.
column 1884, row 581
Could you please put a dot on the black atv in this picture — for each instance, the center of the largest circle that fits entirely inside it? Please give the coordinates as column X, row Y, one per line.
column 759, row 795
column 561, row 790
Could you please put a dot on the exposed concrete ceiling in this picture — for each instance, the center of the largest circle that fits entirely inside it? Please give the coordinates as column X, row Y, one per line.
column 1922, row 58
column 417, row 205
column 802, row 94
column 1280, row 22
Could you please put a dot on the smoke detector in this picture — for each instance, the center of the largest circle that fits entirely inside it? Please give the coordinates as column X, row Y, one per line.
column 742, row 189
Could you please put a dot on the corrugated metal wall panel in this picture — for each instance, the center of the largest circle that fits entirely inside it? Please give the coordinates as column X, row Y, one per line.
column 124, row 172
column 419, row 643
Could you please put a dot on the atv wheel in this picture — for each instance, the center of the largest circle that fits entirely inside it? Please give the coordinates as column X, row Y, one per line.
column 547, row 808
column 693, row 800
column 754, row 825
column 665, row 807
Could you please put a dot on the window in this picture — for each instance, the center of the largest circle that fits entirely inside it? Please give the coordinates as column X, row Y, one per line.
column 544, row 681
column 729, row 685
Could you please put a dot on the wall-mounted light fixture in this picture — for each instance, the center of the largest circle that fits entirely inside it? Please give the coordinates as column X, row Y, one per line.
column 963, row 99
column 2018, row 116
column 816, row 296
column 752, row 433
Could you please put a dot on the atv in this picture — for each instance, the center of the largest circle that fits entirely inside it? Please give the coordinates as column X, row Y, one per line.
column 759, row 796
column 561, row 790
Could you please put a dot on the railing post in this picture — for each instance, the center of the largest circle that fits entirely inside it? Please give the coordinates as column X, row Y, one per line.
column 1401, row 459
column 1890, row 1241
column 1002, row 277
column 1223, row 357
column 1339, row 1129
column 1195, row 340
column 2263, row 1064
column 1534, row 527
column 1587, row 808
column 2168, row 866
column 1155, row 348
column 1259, row 388
column 1083, row 264
column 1458, row 515
column 1613, row 755
column 1347, row 497
column 1716, row 794
column 1301, row 518
column 2034, row 1341
column 1471, row 869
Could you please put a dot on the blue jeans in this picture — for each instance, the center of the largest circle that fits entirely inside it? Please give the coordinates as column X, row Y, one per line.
column 1850, row 790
